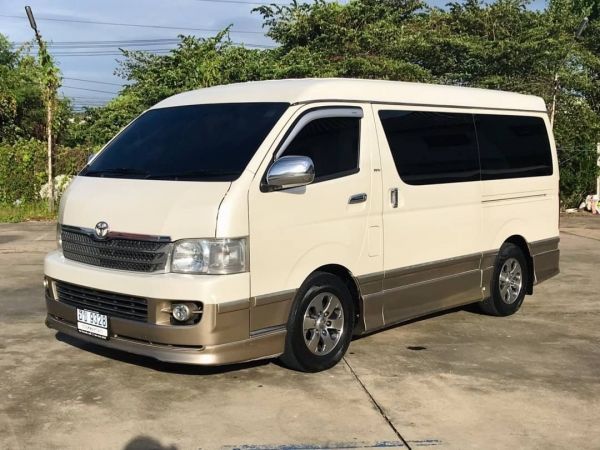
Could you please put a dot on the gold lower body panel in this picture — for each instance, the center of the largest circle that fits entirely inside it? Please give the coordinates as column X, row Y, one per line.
column 408, row 302
column 258, row 347
column 546, row 265
column 403, row 294
column 230, row 332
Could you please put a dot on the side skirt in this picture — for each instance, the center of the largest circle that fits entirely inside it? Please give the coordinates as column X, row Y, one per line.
column 418, row 290
column 400, row 295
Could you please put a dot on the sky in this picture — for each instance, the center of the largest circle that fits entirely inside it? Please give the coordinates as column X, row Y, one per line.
column 57, row 22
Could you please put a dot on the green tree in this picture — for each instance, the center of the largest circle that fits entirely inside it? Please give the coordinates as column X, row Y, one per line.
column 21, row 98
column 498, row 45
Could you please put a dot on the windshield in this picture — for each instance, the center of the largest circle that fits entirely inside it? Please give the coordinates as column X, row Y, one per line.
column 196, row 142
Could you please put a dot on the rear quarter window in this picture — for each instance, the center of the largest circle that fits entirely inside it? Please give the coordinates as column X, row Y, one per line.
column 513, row 146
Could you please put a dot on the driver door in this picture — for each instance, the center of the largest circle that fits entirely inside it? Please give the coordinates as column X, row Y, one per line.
column 295, row 231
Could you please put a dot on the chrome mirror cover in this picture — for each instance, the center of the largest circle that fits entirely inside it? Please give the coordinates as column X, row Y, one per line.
column 291, row 171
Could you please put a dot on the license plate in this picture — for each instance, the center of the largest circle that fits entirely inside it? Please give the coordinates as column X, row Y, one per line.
column 92, row 323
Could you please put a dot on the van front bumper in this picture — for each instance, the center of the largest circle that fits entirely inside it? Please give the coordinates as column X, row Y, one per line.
column 259, row 347
column 232, row 327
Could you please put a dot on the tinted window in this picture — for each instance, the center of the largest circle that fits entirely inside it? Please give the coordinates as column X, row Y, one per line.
column 197, row 142
column 432, row 147
column 513, row 146
column 332, row 143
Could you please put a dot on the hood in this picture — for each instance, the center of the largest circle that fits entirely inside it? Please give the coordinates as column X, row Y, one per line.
column 178, row 209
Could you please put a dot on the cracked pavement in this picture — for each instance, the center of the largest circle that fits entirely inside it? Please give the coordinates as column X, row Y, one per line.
column 456, row 380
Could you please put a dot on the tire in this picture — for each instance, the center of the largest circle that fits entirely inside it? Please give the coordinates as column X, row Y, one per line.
column 323, row 343
column 509, row 282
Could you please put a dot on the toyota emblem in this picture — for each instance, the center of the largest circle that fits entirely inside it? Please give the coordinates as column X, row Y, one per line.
column 101, row 230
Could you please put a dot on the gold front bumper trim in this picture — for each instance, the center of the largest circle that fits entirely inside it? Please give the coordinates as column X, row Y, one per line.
column 266, row 345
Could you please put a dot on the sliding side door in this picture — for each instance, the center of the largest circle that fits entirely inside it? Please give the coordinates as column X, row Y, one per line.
column 431, row 211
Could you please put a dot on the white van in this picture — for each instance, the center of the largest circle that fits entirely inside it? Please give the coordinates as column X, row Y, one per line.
column 281, row 218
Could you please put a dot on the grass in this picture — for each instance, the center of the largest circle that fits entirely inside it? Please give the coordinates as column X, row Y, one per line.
column 25, row 212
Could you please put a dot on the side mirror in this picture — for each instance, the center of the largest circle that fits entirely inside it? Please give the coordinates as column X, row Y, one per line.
column 290, row 171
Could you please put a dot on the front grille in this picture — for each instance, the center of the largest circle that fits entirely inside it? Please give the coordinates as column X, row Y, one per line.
column 114, row 253
column 109, row 303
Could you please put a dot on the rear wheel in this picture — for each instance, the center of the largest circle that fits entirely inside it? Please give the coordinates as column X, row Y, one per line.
column 509, row 282
column 320, row 324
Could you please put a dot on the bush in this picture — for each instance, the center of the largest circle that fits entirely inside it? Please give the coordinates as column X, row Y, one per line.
column 25, row 211
column 23, row 168
column 69, row 161
column 22, row 171
column 61, row 183
column 578, row 172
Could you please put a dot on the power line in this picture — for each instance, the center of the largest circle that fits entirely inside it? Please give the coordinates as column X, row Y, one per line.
column 83, row 97
column 133, row 46
column 138, row 25
column 100, row 42
column 109, row 48
column 86, row 89
column 84, row 44
column 107, row 51
column 159, row 51
column 86, row 99
column 65, row 45
column 92, row 81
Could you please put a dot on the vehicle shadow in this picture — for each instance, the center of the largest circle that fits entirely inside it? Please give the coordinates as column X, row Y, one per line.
column 159, row 366
column 471, row 308
column 6, row 238
column 188, row 369
column 147, row 443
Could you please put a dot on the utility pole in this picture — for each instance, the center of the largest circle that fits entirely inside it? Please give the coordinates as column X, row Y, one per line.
column 50, row 81
column 582, row 26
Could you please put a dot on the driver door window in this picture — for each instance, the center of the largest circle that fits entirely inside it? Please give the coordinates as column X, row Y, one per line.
column 333, row 145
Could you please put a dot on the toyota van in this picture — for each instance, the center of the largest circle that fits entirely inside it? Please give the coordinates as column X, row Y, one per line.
column 282, row 218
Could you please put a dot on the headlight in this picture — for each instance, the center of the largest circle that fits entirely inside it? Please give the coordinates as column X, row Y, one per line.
column 58, row 236
column 210, row 256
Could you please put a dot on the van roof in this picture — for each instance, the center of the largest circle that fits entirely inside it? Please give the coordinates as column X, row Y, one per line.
column 309, row 90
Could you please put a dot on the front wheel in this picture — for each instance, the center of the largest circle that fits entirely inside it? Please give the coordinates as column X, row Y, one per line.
column 320, row 324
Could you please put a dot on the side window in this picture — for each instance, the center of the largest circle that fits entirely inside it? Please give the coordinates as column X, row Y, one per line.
column 513, row 146
column 332, row 143
column 432, row 147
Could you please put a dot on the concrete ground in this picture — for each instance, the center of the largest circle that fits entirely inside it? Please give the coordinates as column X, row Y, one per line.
column 458, row 380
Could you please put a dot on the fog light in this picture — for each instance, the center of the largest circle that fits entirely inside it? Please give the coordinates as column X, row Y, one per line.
column 181, row 312
column 49, row 288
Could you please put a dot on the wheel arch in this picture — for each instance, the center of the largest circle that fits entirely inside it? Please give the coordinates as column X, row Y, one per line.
column 521, row 242
column 344, row 274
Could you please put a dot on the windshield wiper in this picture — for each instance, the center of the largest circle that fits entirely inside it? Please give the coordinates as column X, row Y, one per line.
column 193, row 175
column 117, row 171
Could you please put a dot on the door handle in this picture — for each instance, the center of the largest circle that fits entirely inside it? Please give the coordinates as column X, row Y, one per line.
column 358, row 198
column 394, row 197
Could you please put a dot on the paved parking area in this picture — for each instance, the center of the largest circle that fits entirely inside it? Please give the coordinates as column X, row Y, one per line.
column 457, row 380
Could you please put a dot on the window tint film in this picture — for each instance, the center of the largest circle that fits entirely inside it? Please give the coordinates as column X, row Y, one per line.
column 197, row 142
column 332, row 143
column 432, row 147
column 513, row 146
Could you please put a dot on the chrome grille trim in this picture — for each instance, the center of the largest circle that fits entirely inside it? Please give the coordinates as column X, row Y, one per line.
column 121, row 251
column 109, row 303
